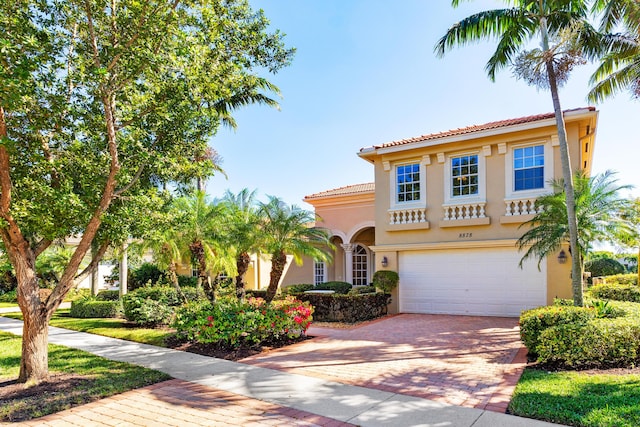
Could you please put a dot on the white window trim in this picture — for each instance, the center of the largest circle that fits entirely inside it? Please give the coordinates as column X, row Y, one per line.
column 393, row 197
column 510, row 193
column 449, row 199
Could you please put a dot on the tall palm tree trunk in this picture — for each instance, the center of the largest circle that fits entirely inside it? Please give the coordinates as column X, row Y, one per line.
column 278, row 262
column 567, row 174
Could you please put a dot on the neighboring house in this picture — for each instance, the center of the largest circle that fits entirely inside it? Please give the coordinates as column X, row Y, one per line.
column 445, row 213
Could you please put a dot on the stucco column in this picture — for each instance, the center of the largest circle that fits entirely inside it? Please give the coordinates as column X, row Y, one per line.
column 348, row 262
column 124, row 269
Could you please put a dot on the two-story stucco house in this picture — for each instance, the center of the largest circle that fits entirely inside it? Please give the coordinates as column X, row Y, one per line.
column 445, row 212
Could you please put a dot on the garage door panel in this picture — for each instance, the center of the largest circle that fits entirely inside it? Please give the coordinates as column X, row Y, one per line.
column 470, row 281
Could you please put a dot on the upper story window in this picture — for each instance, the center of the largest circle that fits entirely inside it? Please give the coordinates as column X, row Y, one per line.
column 464, row 176
column 408, row 183
column 528, row 168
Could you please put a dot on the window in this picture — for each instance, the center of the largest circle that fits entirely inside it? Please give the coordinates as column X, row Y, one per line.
column 408, row 183
column 319, row 270
column 360, row 266
column 528, row 168
column 464, row 175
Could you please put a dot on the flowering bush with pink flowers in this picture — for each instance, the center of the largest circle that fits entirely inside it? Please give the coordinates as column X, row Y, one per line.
column 235, row 324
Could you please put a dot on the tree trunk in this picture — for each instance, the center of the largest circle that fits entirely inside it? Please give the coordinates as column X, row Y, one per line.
column 34, row 365
column 242, row 264
column 173, row 276
column 278, row 262
column 567, row 174
column 123, row 273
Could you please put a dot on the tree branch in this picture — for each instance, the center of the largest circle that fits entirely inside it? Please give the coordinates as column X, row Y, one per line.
column 135, row 179
column 94, row 262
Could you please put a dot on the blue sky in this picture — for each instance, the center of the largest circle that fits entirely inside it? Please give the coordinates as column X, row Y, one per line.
column 364, row 74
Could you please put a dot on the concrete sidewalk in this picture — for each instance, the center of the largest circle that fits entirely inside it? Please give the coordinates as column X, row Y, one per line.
column 16, row 309
column 351, row 404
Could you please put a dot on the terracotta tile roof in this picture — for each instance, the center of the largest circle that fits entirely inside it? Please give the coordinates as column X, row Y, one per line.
column 343, row 191
column 475, row 128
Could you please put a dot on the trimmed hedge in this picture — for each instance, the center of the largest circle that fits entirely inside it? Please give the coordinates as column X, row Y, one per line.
column 616, row 292
column 533, row 322
column 600, row 343
column 108, row 296
column 91, row 307
column 347, row 308
column 295, row 289
column 338, row 287
column 582, row 337
column 357, row 290
column 622, row 279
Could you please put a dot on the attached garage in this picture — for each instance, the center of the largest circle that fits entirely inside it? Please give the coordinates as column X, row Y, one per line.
column 478, row 281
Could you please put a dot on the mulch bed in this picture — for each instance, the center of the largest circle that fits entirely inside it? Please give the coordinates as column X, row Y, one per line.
column 222, row 352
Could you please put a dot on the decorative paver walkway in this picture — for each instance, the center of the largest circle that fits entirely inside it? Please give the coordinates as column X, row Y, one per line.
column 468, row 361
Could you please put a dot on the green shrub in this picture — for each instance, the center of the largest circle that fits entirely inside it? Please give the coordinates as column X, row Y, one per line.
column 75, row 294
column 234, row 324
column 10, row 296
column 603, row 267
column 92, row 307
column 616, row 292
column 357, row 290
column 386, row 280
column 187, row 281
column 146, row 274
column 108, row 296
column 256, row 293
column 347, row 308
column 338, row 287
column 533, row 322
column 599, row 343
column 622, row 279
column 155, row 305
column 297, row 289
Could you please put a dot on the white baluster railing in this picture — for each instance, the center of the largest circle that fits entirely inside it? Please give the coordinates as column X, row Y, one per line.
column 464, row 211
column 408, row 216
column 521, row 207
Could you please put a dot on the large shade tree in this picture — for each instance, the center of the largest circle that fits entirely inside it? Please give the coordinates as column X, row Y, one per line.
column 602, row 213
column 562, row 29
column 289, row 230
column 100, row 104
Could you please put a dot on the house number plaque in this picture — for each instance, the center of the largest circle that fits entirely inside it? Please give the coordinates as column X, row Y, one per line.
column 464, row 235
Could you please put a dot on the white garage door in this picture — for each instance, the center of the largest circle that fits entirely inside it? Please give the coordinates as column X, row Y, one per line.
column 470, row 281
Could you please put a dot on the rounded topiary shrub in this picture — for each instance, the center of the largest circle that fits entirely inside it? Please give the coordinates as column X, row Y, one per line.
column 603, row 267
column 386, row 280
column 146, row 274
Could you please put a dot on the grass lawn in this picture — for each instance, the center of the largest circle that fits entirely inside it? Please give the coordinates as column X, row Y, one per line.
column 77, row 378
column 8, row 304
column 579, row 398
column 115, row 328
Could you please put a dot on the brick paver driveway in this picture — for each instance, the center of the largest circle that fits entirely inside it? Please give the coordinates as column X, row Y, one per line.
column 462, row 360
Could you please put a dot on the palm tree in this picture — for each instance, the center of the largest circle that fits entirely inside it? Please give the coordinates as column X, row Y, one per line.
column 202, row 234
column 602, row 217
column 619, row 69
column 514, row 27
column 243, row 226
column 289, row 230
